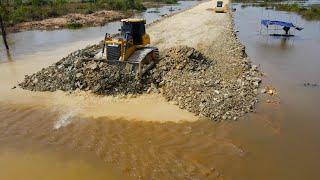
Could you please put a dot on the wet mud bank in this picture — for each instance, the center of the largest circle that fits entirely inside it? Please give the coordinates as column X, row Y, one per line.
column 72, row 20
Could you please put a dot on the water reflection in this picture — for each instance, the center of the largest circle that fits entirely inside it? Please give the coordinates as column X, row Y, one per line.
column 8, row 53
column 283, row 43
column 277, row 43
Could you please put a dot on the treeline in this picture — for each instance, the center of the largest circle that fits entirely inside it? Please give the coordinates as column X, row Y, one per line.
column 30, row 10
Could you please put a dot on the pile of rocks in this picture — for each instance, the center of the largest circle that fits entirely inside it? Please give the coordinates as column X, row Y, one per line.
column 188, row 78
column 81, row 71
column 183, row 75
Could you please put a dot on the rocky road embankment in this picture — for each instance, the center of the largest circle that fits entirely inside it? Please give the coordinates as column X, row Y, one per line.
column 95, row 19
column 183, row 76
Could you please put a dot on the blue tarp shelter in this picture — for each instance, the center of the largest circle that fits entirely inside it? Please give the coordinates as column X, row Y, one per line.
column 267, row 22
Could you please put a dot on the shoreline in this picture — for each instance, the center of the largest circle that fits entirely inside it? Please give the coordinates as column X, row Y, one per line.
column 78, row 21
column 71, row 21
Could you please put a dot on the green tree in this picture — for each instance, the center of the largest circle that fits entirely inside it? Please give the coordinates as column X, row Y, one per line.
column 3, row 18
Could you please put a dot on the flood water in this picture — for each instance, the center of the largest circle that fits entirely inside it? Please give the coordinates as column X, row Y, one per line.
column 42, row 139
column 292, row 151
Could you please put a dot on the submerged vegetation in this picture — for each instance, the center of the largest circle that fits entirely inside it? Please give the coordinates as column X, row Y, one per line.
column 311, row 12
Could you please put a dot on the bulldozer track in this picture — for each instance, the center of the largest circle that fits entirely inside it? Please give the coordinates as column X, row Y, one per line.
column 140, row 55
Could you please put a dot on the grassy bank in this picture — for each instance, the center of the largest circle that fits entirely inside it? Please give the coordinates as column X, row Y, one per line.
column 31, row 10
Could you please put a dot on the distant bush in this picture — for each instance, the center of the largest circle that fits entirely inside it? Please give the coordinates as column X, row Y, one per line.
column 125, row 5
column 170, row 1
column 287, row 7
column 18, row 15
column 52, row 13
column 74, row 25
column 88, row 11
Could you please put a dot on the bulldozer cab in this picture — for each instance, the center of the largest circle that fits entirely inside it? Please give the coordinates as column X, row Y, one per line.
column 133, row 29
column 220, row 4
column 132, row 49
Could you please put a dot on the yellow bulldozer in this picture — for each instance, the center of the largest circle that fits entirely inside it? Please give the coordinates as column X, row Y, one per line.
column 131, row 47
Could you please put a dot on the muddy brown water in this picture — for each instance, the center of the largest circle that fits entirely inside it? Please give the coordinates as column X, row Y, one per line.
column 286, row 143
column 279, row 141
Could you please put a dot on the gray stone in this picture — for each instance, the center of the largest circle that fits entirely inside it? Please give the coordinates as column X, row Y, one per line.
column 35, row 81
column 96, row 88
column 93, row 66
column 78, row 75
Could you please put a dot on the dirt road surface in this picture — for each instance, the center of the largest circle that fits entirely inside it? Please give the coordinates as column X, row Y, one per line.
column 197, row 27
column 205, row 30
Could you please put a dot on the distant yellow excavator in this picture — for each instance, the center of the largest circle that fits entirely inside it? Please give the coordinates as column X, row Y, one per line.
column 131, row 48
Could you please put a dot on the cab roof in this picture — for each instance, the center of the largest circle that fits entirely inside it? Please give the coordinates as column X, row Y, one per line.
column 133, row 20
